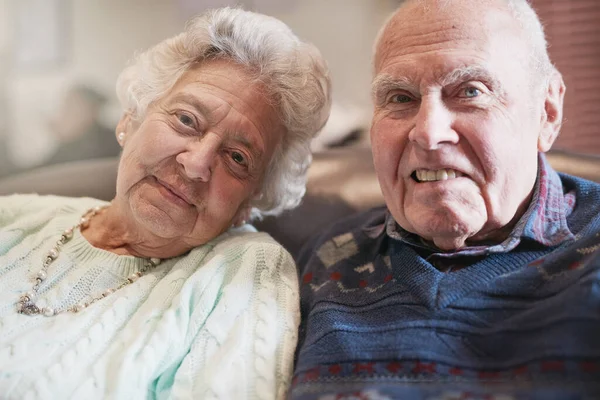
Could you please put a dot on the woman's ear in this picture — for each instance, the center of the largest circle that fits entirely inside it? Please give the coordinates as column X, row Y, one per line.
column 123, row 128
column 245, row 210
column 552, row 115
column 242, row 216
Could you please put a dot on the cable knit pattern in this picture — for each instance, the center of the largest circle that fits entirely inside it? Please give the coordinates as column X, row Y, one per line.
column 217, row 323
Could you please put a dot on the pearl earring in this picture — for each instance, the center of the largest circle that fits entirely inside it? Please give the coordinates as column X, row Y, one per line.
column 121, row 137
column 238, row 224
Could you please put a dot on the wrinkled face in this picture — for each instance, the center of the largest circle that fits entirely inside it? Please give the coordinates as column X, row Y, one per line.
column 191, row 166
column 456, row 122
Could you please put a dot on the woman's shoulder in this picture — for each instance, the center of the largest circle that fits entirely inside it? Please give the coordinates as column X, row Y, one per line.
column 18, row 206
column 247, row 237
column 243, row 245
column 33, row 200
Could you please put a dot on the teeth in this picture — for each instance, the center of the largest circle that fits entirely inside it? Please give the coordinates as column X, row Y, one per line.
column 425, row 175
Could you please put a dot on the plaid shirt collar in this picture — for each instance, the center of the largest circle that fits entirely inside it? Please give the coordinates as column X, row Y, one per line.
column 544, row 222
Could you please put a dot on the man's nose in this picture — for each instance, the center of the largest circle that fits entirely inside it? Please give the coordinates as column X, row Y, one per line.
column 433, row 125
column 199, row 157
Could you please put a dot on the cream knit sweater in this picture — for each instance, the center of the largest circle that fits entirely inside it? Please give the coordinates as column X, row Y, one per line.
column 217, row 323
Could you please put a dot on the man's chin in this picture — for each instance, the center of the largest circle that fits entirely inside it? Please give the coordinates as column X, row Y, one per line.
column 450, row 243
column 445, row 233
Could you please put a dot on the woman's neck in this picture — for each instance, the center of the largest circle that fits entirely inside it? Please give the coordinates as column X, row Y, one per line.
column 114, row 231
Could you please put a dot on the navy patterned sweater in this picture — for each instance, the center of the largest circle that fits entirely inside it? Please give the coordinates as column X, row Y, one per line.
column 387, row 316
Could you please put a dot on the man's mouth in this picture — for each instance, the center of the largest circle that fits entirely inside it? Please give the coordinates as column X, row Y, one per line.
column 429, row 175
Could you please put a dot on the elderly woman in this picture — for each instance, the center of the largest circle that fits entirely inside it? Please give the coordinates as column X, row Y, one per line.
column 166, row 292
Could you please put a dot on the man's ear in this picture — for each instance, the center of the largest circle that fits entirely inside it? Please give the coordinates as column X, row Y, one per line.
column 552, row 114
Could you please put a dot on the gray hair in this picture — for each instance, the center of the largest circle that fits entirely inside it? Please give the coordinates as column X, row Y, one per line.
column 532, row 28
column 294, row 73
column 534, row 34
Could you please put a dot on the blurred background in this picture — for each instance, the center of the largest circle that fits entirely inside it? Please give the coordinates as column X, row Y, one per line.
column 59, row 60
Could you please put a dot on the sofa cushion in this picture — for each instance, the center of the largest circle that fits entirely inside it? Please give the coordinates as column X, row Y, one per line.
column 89, row 178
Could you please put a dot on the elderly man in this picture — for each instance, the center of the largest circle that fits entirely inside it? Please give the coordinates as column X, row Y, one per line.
column 480, row 279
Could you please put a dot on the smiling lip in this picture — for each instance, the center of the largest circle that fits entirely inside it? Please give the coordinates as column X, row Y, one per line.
column 432, row 175
column 176, row 193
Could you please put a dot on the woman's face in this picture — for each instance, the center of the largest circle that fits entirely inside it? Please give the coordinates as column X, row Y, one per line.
column 190, row 168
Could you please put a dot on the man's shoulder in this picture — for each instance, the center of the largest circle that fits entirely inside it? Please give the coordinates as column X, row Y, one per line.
column 358, row 221
column 582, row 186
column 344, row 239
column 587, row 201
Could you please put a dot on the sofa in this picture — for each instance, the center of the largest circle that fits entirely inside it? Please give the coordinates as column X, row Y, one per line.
column 341, row 181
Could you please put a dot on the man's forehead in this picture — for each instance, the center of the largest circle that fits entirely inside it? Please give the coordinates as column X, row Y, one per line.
column 417, row 29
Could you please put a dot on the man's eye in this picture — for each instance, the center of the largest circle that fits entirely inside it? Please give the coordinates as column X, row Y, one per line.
column 400, row 98
column 186, row 120
column 471, row 92
column 238, row 157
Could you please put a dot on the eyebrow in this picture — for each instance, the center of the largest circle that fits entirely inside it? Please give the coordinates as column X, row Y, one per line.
column 243, row 140
column 385, row 83
column 193, row 101
column 473, row 73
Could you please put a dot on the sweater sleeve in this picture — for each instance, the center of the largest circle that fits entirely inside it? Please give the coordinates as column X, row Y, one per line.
column 245, row 349
column 19, row 209
column 15, row 206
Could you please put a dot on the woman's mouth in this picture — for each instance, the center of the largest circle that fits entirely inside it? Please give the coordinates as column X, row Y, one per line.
column 173, row 194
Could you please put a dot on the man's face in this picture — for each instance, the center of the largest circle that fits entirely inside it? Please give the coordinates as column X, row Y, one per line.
column 456, row 122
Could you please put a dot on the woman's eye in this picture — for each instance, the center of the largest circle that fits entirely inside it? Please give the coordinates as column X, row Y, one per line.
column 186, row 120
column 400, row 98
column 238, row 157
column 471, row 92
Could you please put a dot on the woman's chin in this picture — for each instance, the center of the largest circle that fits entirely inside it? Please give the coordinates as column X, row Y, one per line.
column 161, row 223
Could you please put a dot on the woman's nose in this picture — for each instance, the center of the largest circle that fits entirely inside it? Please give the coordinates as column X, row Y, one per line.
column 199, row 158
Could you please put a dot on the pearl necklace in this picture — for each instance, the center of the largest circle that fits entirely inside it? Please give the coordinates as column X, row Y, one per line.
column 26, row 304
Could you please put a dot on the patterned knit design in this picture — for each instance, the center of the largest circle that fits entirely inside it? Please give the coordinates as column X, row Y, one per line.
column 379, row 321
column 217, row 323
